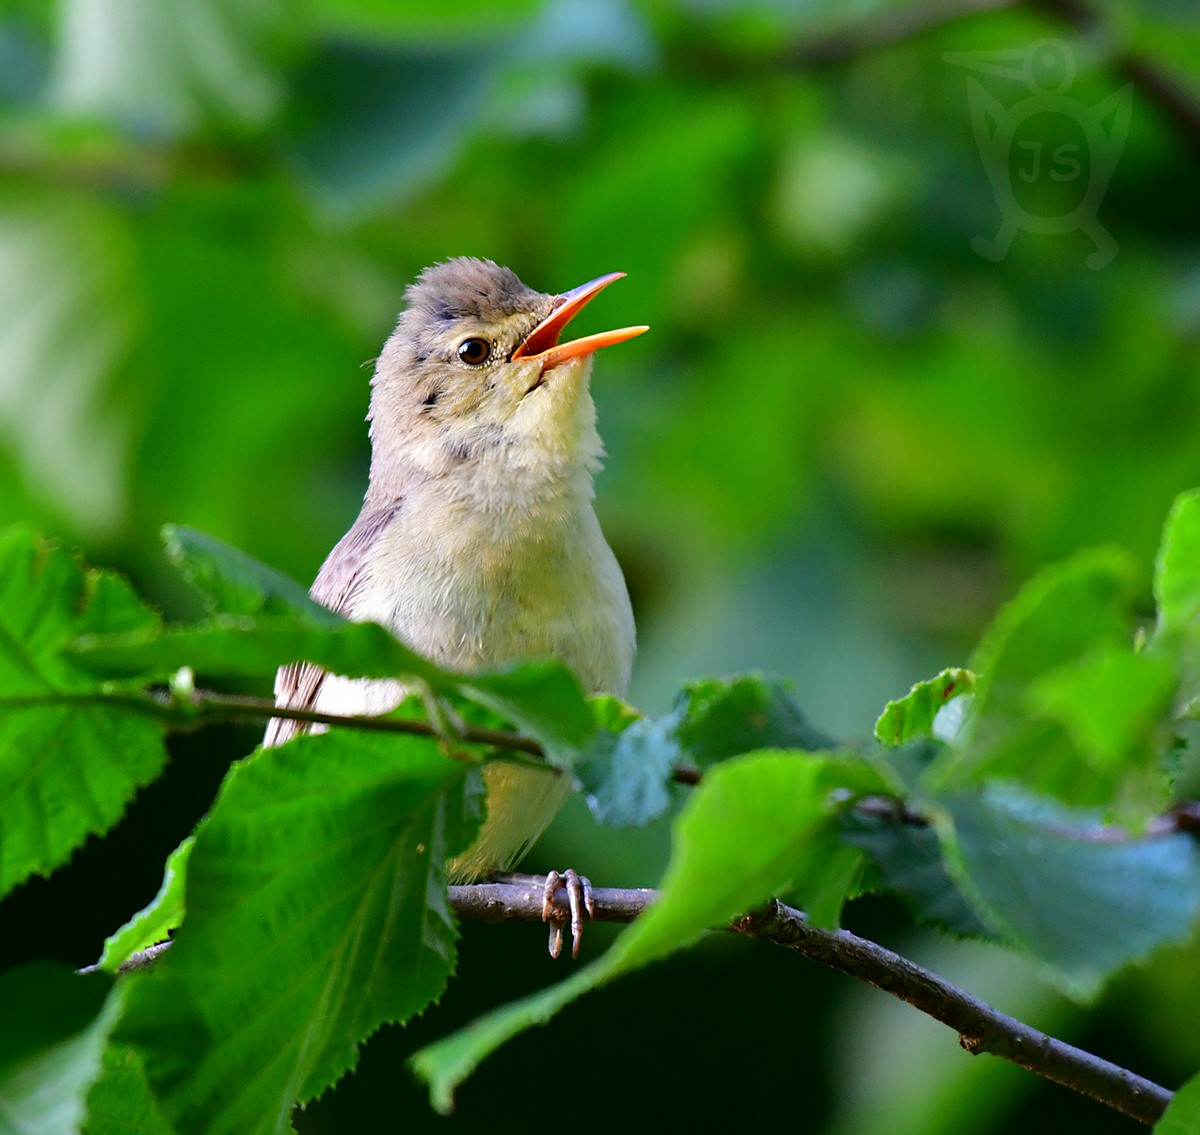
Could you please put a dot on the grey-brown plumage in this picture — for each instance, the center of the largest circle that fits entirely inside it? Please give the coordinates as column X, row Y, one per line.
column 298, row 685
column 477, row 543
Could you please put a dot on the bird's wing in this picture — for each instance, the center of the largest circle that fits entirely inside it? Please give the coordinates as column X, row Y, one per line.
column 297, row 685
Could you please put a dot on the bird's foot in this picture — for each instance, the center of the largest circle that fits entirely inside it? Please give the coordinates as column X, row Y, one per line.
column 579, row 899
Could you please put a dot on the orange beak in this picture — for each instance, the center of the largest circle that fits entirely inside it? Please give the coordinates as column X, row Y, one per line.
column 542, row 345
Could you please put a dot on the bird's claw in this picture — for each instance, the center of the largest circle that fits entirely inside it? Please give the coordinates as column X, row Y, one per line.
column 579, row 899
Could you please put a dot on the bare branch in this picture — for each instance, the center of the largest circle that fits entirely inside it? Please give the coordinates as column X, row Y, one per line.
column 980, row 1027
column 233, row 707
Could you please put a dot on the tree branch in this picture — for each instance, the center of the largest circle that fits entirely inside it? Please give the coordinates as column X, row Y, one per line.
column 980, row 1027
column 1175, row 101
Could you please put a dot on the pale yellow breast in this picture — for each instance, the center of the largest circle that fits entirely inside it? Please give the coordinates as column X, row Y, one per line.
column 472, row 590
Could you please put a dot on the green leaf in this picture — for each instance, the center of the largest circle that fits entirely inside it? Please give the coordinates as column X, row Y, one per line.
column 316, row 912
column 1116, row 706
column 121, row 1102
column 155, row 922
column 1064, row 616
column 755, row 825
column 1064, row 612
column 68, row 763
column 908, row 859
column 234, row 583
column 1079, row 904
column 542, row 699
column 611, row 713
column 724, row 717
column 53, row 1027
column 831, row 873
column 265, row 620
column 626, row 775
column 1182, row 1116
column 746, row 832
column 247, row 646
column 912, row 715
column 1177, row 570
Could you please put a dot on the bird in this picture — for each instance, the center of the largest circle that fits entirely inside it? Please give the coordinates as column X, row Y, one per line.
column 478, row 543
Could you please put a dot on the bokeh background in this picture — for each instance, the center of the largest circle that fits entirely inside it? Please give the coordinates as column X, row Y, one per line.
column 848, row 437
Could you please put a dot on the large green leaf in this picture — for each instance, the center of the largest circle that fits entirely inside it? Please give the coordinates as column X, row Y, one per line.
column 316, row 912
column 68, row 762
column 53, row 1028
column 250, row 646
column 121, row 1102
column 543, row 699
column 264, row 620
column 1081, row 903
column 1116, row 707
column 1066, row 616
column 755, row 825
column 909, row 863
column 1063, row 613
column 234, row 583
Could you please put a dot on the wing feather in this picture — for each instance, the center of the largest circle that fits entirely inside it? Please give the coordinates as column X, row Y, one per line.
column 298, row 685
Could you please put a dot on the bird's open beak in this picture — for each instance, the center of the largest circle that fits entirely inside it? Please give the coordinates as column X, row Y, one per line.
column 542, row 345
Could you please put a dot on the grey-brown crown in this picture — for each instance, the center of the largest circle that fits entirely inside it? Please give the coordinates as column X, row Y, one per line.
column 469, row 288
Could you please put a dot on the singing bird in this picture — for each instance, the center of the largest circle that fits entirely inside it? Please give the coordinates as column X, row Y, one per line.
column 478, row 542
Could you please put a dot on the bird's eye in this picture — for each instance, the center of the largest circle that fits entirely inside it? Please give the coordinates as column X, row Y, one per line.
column 474, row 352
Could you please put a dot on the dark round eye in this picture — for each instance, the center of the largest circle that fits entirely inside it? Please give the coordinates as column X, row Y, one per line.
column 474, row 352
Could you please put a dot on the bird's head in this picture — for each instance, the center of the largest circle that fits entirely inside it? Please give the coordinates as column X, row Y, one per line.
column 475, row 368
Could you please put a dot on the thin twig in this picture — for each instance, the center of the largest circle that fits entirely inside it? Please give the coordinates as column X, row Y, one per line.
column 980, row 1027
column 207, row 705
column 140, row 959
column 232, row 707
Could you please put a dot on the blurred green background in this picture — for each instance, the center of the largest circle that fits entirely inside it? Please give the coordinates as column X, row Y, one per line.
column 848, row 437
